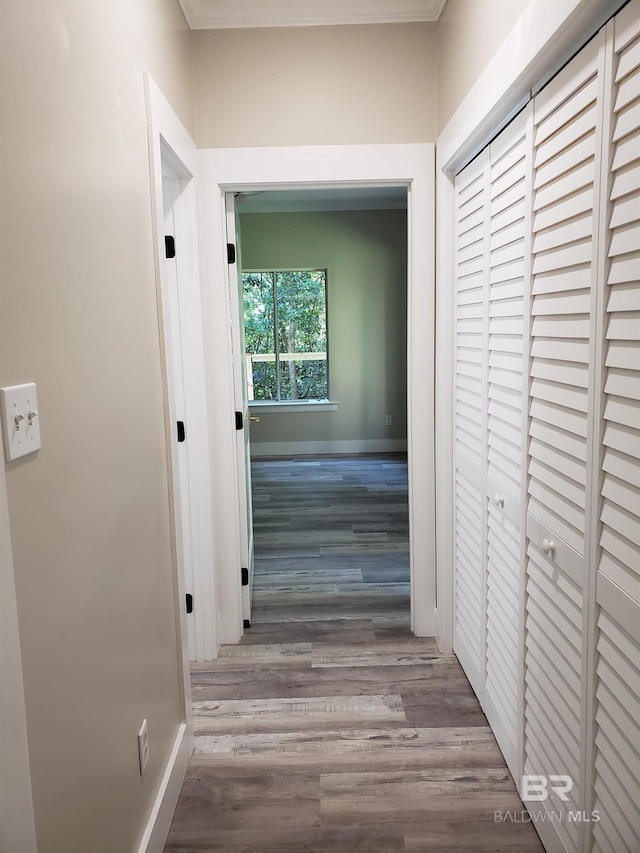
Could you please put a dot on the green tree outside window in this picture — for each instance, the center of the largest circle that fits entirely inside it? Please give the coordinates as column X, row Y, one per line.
column 285, row 326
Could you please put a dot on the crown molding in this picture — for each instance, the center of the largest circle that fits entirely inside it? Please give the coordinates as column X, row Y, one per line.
column 239, row 14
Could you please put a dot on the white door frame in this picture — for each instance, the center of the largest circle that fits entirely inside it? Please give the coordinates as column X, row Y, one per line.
column 246, row 169
column 543, row 39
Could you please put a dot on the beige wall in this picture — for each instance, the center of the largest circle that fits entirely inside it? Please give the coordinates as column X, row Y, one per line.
column 469, row 32
column 365, row 254
column 89, row 514
column 316, row 85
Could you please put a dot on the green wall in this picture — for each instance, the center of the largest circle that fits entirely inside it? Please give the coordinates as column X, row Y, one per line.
column 365, row 254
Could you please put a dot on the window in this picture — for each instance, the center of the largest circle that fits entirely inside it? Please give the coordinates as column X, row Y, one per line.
column 285, row 329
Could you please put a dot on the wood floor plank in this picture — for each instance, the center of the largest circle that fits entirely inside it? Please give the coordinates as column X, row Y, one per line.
column 324, row 681
column 477, row 830
column 256, row 655
column 357, row 630
column 368, row 749
column 271, row 838
column 412, row 783
column 239, row 716
column 331, row 728
column 391, row 654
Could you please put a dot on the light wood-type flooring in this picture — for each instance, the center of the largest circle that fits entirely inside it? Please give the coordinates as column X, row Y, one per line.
column 331, row 727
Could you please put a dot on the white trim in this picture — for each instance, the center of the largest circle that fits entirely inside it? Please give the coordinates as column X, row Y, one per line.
column 168, row 138
column 307, row 448
column 159, row 823
column 542, row 40
column 232, row 14
column 247, row 169
column 17, row 822
column 171, row 147
column 445, row 399
column 298, row 407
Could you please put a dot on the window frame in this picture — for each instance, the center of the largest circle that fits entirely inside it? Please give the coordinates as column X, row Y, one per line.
column 313, row 403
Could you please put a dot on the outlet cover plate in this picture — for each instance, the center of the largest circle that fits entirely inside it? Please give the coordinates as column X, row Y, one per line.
column 20, row 420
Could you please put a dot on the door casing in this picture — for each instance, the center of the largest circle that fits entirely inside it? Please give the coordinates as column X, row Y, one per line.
column 355, row 166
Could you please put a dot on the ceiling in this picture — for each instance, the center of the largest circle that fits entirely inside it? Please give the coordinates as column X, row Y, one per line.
column 294, row 201
column 233, row 14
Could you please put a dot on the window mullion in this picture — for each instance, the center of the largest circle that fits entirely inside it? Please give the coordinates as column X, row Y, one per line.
column 276, row 337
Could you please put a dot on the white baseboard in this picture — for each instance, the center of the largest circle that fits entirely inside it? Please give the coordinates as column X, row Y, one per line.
column 304, row 448
column 157, row 830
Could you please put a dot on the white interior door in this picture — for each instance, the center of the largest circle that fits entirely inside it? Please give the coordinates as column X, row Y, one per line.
column 242, row 406
column 187, row 409
column 509, row 169
column 170, row 192
column 567, row 150
column 616, row 754
column 472, row 236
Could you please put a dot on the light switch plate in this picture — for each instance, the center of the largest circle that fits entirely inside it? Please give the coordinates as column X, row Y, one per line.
column 20, row 420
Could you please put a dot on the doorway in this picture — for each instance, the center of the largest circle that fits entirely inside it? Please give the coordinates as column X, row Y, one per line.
column 349, row 167
column 324, row 287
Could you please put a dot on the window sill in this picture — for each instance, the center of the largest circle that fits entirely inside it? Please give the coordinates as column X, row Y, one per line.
column 306, row 406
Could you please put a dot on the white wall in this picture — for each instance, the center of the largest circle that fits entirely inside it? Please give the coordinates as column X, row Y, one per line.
column 89, row 513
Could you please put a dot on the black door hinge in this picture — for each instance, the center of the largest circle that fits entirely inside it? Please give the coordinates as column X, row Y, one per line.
column 181, row 431
column 189, row 598
column 239, row 420
column 169, row 246
column 244, row 574
column 231, row 253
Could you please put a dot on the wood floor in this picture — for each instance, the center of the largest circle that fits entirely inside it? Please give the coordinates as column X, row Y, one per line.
column 330, row 727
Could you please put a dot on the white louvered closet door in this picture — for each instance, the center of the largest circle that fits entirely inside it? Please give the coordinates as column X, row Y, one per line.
column 470, row 418
column 567, row 151
column 509, row 247
column 616, row 759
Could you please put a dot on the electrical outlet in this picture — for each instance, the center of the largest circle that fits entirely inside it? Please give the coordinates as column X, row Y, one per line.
column 387, row 420
column 143, row 747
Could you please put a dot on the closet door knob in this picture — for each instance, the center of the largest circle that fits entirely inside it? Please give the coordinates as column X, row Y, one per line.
column 499, row 500
column 548, row 546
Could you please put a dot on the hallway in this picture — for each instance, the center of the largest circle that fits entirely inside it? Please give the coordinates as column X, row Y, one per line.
column 330, row 727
